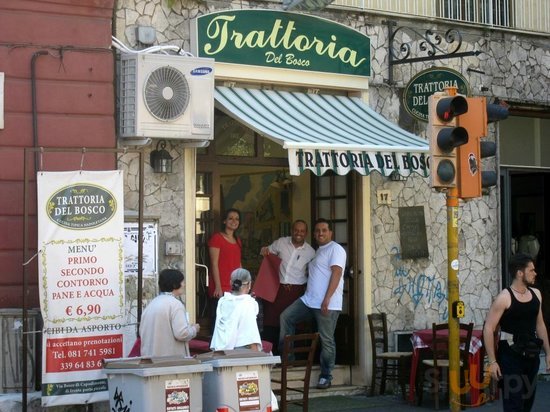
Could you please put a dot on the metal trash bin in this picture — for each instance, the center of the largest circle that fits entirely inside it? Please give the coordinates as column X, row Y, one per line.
column 240, row 380
column 161, row 384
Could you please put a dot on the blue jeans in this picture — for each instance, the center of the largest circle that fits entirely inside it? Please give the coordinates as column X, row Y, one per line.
column 326, row 325
column 519, row 379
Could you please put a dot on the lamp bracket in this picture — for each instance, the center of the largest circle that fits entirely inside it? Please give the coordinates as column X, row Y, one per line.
column 428, row 46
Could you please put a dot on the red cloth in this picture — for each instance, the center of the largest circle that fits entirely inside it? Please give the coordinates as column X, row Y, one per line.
column 136, row 349
column 229, row 260
column 267, row 281
column 196, row 346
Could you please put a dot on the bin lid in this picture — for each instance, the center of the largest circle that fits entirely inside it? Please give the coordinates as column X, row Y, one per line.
column 238, row 357
column 150, row 366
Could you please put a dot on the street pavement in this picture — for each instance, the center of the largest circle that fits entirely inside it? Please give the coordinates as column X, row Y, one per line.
column 394, row 403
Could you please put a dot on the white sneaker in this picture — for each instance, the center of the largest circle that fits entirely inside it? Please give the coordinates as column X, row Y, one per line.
column 324, row 383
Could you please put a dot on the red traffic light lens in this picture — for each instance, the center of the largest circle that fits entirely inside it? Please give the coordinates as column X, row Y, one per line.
column 449, row 107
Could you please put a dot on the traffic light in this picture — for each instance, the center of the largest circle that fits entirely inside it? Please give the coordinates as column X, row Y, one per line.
column 472, row 179
column 445, row 136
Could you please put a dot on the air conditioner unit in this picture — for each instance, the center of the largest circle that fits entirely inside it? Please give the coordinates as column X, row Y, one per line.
column 166, row 96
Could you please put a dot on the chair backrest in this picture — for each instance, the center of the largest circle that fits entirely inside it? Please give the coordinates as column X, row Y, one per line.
column 440, row 341
column 466, row 330
column 378, row 332
column 299, row 351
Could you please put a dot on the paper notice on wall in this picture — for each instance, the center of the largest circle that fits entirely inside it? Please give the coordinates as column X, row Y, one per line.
column 81, row 281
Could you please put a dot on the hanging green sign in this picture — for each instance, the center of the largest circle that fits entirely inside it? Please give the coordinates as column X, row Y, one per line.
column 281, row 39
column 428, row 82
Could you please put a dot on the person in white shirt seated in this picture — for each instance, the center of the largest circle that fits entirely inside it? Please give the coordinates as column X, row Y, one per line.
column 236, row 326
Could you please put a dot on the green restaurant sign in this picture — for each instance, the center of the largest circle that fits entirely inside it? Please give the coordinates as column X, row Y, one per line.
column 283, row 40
column 428, row 82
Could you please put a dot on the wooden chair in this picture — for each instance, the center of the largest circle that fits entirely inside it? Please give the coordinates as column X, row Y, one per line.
column 296, row 362
column 440, row 357
column 386, row 365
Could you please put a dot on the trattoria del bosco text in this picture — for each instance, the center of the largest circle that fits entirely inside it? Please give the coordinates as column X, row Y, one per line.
column 221, row 31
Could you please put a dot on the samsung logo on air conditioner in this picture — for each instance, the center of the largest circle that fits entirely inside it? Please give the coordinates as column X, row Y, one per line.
column 201, row 71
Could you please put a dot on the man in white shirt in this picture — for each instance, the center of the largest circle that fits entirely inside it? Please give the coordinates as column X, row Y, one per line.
column 295, row 254
column 322, row 300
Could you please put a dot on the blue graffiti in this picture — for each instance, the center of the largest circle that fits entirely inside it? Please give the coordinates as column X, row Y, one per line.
column 420, row 287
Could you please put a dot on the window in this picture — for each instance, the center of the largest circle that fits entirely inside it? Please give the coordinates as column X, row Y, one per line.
column 493, row 12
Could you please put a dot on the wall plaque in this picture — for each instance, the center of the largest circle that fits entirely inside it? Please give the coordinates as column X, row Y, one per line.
column 412, row 231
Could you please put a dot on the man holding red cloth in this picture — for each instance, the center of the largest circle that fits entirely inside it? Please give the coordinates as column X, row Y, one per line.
column 295, row 254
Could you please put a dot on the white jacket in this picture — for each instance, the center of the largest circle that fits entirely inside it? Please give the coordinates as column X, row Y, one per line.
column 236, row 324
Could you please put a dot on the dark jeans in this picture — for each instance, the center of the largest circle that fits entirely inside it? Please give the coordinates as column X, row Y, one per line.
column 519, row 379
column 326, row 325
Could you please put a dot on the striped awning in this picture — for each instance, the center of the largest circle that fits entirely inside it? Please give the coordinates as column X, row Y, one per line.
column 325, row 132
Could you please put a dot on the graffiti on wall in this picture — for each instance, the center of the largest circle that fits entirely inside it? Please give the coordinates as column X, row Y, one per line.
column 420, row 287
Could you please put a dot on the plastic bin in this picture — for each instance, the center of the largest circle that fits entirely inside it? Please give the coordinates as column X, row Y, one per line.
column 240, row 381
column 155, row 384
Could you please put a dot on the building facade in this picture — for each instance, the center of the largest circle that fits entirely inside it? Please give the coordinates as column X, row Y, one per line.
column 510, row 66
column 246, row 168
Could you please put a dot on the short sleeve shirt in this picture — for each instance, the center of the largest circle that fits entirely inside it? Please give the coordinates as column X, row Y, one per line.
column 320, row 272
column 294, row 260
column 229, row 260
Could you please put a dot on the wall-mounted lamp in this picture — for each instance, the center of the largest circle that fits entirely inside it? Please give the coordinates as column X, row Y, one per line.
column 161, row 161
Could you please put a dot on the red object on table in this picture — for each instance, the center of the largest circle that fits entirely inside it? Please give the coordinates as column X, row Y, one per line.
column 422, row 339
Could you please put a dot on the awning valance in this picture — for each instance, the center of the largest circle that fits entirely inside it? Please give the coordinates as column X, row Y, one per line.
column 325, row 132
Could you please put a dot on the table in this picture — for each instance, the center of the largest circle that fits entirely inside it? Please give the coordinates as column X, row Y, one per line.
column 422, row 339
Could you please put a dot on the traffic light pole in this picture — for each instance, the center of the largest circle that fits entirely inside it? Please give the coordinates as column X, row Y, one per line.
column 453, row 290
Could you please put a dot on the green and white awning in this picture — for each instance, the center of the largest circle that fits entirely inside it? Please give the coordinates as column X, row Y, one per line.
column 325, row 132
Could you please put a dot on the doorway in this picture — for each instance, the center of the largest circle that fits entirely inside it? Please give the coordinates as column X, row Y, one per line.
column 244, row 170
column 525, row 197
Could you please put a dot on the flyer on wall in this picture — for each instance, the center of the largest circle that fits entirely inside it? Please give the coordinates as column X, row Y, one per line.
column 81, row 282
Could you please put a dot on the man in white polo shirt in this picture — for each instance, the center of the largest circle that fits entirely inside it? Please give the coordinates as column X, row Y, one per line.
column 295, row 254
column 322, row 300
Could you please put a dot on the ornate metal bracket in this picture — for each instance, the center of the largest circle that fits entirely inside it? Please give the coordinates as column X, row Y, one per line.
column 430, row 45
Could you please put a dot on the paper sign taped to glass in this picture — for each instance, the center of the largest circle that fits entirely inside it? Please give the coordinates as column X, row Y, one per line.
column 267, row 282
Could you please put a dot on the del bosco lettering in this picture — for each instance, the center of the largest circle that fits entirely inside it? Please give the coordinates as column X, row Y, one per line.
column 81, row 206
column 222, row 32
column 335, row 159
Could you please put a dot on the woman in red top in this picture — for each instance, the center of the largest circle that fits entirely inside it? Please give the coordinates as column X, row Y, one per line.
column 225, row 256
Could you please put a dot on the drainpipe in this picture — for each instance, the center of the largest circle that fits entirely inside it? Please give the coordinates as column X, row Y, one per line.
column 34, row 110
column 24, row 303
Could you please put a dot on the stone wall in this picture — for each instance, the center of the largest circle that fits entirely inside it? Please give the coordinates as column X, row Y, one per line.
column 412, row 292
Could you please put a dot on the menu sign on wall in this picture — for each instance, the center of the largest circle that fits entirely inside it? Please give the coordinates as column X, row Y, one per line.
column 281, row 40
column 428, row 82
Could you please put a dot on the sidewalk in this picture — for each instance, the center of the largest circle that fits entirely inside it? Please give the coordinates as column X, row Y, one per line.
column 394, row 403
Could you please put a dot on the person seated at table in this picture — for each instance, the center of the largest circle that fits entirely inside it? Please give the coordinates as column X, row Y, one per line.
column 236, row 325
column 164, row 329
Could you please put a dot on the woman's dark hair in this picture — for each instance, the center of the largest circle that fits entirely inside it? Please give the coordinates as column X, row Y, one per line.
column 519, row 261
column 170, row 279
column 226, row 215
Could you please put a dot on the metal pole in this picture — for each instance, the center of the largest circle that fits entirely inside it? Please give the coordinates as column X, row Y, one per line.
column 452, row 286
column 24, row 363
